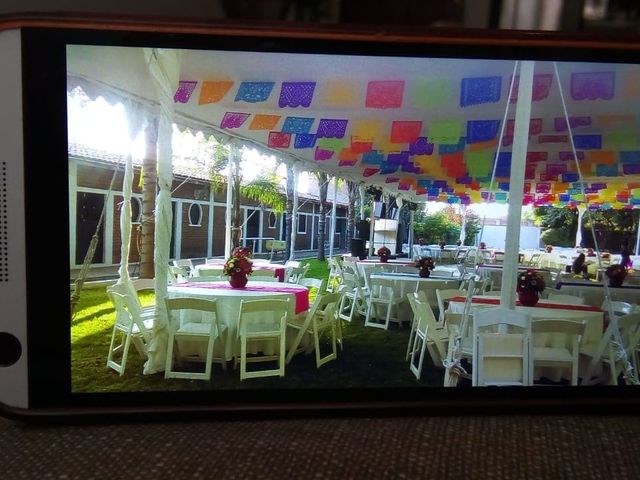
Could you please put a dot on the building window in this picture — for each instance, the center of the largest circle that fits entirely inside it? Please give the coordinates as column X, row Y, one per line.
column 136, row 210
column 195, row 215
column 302, row 224
column 273, row 220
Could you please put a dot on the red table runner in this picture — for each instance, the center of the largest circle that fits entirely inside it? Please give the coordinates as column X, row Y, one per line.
column 301, row 293
column 495, row 301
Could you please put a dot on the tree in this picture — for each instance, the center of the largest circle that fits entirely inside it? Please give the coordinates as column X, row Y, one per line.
column 559, row 225
column 352, row 190
column 264, row 188
column 288, row 225
column 436, row 227
column 149, row 187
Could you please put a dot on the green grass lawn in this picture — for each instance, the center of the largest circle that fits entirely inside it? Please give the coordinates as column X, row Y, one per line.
column 371, row 357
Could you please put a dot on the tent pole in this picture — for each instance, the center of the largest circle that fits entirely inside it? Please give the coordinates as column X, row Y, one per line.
column 227, row 217
column 411, row 220
column 294, row 213
column 581, row 210
column 638, row 239
column 333, row 216
column 516, row 186
column 361, row 192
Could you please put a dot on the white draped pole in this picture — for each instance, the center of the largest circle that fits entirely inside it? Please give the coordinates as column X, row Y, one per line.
column 229, row 206
column 333, row 215
column 294, row 212
column 411, row 242
column 164, row 66
column 581, row 210
column 361, row 192
column 463, row 230
column 516, row 186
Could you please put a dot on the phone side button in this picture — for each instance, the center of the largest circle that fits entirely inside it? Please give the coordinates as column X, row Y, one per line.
column 10, row 349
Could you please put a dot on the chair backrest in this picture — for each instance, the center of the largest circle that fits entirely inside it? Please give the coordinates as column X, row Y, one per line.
column 140, row 284
column 381, row 288
column 442, row 295
column 422, row 314
column 501, row 357
column 295, row 274
column 292, row 263
column 185, row 263
column 629, row 326
column 210, row 270
column 535, row 259
column 566, row 299
column 277, row 309
column 319, row 284
column 128, row 314
column 180, row 304
column 177, row 274
column 123, row 289
column 558, row 325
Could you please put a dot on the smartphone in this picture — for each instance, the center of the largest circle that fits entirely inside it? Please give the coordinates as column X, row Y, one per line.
column 419, row 115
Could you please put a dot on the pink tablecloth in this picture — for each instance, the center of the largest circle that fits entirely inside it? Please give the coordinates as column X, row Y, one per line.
column 301, row 293
column 542, row 304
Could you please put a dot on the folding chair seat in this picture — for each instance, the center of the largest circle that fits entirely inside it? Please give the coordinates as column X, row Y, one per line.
column 186, row 264
column 382, row 299
column 263, row 320
column 132, row 325
column 207, row 329
column 566, row 356
column 321, row 317
column 176, row 275
column 501, row 348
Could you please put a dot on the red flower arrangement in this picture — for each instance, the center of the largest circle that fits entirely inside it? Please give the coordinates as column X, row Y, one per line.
column 425, row 262
column 616, row 274
column 383, row 252
column 240, row 262
column 530, row 281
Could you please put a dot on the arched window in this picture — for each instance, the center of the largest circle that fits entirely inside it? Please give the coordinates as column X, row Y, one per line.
column 195, row 215
column 273, row 220
column 136, row 210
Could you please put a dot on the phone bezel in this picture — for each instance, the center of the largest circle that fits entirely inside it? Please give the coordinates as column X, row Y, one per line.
column 48, row 336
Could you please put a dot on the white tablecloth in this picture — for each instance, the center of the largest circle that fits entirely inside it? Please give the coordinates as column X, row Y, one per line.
column 593, row 293
column 228, row 301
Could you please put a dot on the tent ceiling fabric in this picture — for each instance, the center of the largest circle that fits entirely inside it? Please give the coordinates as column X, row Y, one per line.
column 427, row 129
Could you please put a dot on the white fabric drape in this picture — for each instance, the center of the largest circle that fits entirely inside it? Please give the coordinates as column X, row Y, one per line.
column 233, row 152
column 581, row 210
column 516, row 185
column 164, row 66
column 134, row 119
column 294, row 212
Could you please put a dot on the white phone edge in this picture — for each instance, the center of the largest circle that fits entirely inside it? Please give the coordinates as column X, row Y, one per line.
column 13, row 296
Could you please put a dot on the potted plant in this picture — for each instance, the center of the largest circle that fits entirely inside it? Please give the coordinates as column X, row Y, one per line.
column 384, row 253
column 616, row 274
column 425, row 265
column 238, row 266
column 530, row 285
column 442, row 243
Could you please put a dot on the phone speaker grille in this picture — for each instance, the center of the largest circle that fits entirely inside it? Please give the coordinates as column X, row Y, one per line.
column 4, row 234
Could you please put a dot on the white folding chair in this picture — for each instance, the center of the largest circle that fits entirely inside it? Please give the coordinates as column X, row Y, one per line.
column 566, row 356
column 176, row 275
column 186, row 264
column 629, row 326
column 322, row 316
column 209, row 270
column 425, row 334
column 352, row 299
column 501, row 348
column 382, row 299
column 263, row 320
column 263, row 275
column 335, row 274
column 295, row 274
column 619, row 308
column 132, row 325
column 534, row 261
column 207, row 329
column 442, row 296
column 319, row 285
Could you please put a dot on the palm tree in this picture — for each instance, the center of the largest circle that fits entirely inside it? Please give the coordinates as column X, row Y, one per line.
column 352, row 190
column 288, row 226
column 264, row 188
column 149, row 187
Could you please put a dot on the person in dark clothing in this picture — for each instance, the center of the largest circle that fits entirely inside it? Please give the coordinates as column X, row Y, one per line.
column 579, row 266
column 625, row 254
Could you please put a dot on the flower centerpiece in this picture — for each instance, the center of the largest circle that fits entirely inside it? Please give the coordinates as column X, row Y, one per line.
column 616, row 274
column 238, row 266
column 530, row 284
column 384, row 253
column 425, row 265
column 442, row 243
